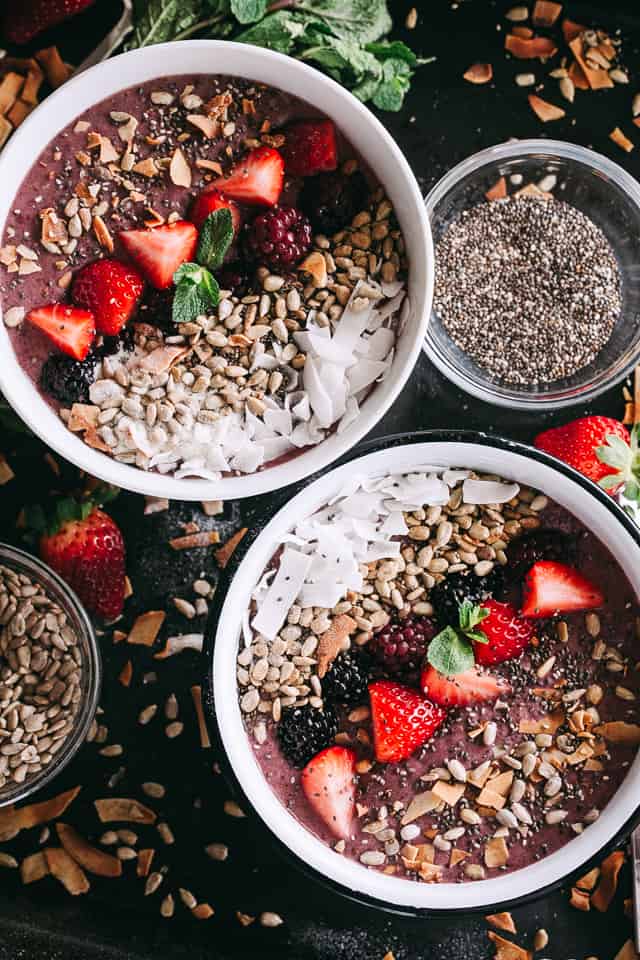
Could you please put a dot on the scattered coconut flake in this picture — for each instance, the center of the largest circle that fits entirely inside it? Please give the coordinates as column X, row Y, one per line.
column 273, row 608
column 488, row 491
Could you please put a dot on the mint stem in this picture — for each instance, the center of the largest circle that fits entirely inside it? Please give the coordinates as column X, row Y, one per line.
column 197, row 27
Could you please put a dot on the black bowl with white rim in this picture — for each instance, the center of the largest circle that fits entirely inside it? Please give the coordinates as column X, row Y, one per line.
column 482, row 452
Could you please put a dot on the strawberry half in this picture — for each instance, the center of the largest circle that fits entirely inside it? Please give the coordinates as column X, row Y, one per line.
column 599, row 447
column 257, row 179
column 551, row 588
column 507, row 633
column 24, row 20
column 110, row 289
column 209, row 200
column 402, row 720
column 310, row 148
column 465, row 688
column 328, row 783
column 85, row 546
column 71, row 329
column 159, row 251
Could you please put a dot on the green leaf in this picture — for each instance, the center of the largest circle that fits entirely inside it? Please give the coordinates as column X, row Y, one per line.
column 216, row 236
column 396, row 80
column 278, row 31
column 248, row 11
column 363, row 21
column 196, row 292
column 395, row 49
column 470, row 615
column 450, row 653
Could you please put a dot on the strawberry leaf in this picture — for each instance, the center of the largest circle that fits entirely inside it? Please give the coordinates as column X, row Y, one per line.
column 450, row 653
column 470, row 615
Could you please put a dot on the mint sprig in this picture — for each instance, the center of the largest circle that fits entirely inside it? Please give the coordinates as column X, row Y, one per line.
column 451, row 650
column 216, row 236
column 196, row 292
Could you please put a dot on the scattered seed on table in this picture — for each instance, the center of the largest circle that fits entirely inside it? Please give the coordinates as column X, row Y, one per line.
column 113, row 750
column 187, row 898
column 171, row 707
column 269, row 919
column 153, row 882
column 167, row 907
column 232, row 809
column 217, row 851
column 165, row 832
column 152, row 789
column 147, row 714
column 126, row 853
column 109, row 838
column 174, row 729
column 127, row 837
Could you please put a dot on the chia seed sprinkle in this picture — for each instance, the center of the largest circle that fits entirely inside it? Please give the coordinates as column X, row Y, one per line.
column 529, row 288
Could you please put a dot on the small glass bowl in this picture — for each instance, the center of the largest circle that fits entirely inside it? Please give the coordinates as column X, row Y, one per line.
column 600, row 189
column 91, row 673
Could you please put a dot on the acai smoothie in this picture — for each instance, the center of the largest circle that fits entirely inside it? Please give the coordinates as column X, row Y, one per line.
column 202, row 276
column 436, row 675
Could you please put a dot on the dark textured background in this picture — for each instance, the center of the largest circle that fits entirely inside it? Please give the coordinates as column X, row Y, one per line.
column 444, row 120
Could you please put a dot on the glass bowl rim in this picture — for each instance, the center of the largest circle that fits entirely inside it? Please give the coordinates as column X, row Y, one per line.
column 24, row 562
column 547, row 148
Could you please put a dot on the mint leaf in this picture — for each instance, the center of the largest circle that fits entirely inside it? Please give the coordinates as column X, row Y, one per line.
column 450, row 653
column 155, row 21
column 278, row 31
column 248, row 11
column 396, row 80
column 470, row 615
column 395, row 49
column 196, row 292
column 216, row 236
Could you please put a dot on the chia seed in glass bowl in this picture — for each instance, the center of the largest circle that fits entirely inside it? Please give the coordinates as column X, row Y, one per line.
column 537, row 334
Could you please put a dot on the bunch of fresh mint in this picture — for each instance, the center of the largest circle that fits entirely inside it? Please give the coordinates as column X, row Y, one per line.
column 348, row 39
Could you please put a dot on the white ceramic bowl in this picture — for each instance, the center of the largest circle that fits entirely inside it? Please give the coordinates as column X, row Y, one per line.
column 513, row 461
column 370, row 140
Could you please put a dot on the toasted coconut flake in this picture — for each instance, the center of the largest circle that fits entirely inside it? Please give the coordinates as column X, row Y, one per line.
column 202, row 911
column 183, row 641
column 597, row 79
column 450, row 793
column 525, row 32
column 145, row 858
column 457, row 856
column 5, row 130
column 6, row 473
column 536, row 48
column 91, row 858
column 207, row 126
column 102, row 234
column 580, row 900
column 506, row 950
column 606, row 889
column 571, row 30
column 146, row 628
column 430, row 872
column 333, row 641
column 224, row 553
column 496, row 852
column 589, row 880
column 479, row 73
column 126, row 674
column 34, row 867
column 544, row 110
column 502, row 921
column 203, row 164
column 620, row 140
column 498, row 191
column 420, row 804
column 549, row 723
column 84, row 416
column 196, row 693
column 545, row 13
column 502, row 783
column 54, row 229
column 202, row 539
column 123, row 809
column 13, row 820
column 627, row 951
column 56, row 71
column 316, row 266
column 66, row 870
column 619, row 731
column 162, row 359
column 179, row 169
column 108, row 153
column 146, row 167
column 9, row 89
column 490, row 799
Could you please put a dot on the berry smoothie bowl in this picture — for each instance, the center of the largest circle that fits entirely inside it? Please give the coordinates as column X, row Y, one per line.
column 205, row 278
column 434, row 652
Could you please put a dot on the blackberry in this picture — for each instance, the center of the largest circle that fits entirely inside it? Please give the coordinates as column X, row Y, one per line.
column 331, row 200
column 110, row 345
column 400, row 648
column 279, row 238
column 447, row 595
column 346, row 681
column 66, row 379
column 539, row 545
column 304, row 731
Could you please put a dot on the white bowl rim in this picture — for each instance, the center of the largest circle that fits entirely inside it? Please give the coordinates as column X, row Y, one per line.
column 261, row 65
column 481, row 451
column 506, row 151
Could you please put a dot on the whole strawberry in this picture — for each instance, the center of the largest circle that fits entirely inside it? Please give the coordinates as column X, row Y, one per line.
column 23, row 21
column 507, row 634
column 85, row 547
column 600, row 448
column 110, row 289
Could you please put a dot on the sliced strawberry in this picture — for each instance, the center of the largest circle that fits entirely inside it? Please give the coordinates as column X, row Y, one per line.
column 402, row 720
column 328, row 783
column 472, row 686
column 310, row 148
column 70, row 328
column 257, row 179
column 209, row 200
column 508, row 634
column 551, row 588
column 159, row 252
column 111, row 290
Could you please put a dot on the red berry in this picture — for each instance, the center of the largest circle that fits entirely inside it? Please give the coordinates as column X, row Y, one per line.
column 111, row 290
column 209, row 200
column 472, row 686
column 508, row 634
column 402, row 720
column 400, row 648
column 328, row 783
column 89, row 555
column 71, row 329
column 551, row 588
column 23, row 20
column 257, row 179
column 159, row 251
column 279, row 238
column 575, row 443
column 310, row 148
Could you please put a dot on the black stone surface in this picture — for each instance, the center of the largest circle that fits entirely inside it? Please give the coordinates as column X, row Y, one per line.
column 445, row 120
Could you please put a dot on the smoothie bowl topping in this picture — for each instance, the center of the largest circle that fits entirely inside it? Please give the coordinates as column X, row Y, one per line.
column 435, row 674
column 203, row 279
